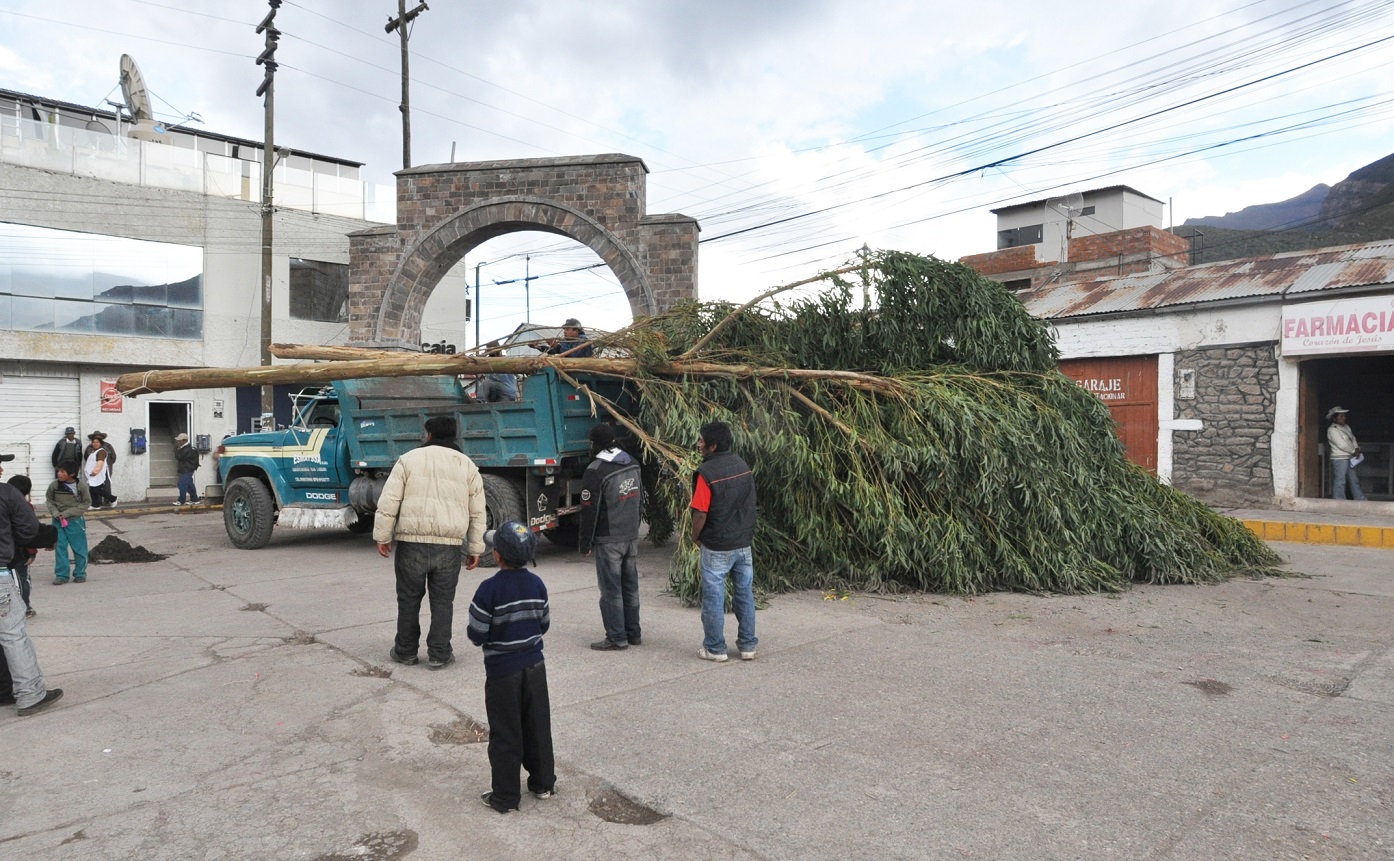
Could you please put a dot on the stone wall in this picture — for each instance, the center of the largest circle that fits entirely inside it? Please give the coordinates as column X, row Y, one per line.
column 446, row 210
column 1230, row 461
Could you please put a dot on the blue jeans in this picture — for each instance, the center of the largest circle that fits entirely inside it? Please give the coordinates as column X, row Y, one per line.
column 423, row 569
column 716, row 566
column 21, row 664
column 617, row 573
column 186, row 485
column 73, row 535
column 1341, row 475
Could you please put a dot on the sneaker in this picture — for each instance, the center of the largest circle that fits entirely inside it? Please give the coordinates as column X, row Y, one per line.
column 710, row 656
column 177, row 504
column 439, row 665
column 30, row 613
column 748, row 656
column 609, row 646
column 59, row 581
column 410, row 661
column 488, row 799
column 53, row 696
column 545, row 793
column 79, row 579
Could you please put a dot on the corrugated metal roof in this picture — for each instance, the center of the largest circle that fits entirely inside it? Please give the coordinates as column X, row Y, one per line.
column 1275, row 275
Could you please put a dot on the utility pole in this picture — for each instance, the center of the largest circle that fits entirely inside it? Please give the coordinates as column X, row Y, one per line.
column 400, row 25
column 268, row 164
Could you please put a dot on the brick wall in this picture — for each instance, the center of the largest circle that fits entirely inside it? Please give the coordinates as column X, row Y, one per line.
column 1143, row 244
column 1230, row 461
column 1006, row 260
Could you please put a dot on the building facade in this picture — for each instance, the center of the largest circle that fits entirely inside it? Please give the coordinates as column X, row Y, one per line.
column 121, row 255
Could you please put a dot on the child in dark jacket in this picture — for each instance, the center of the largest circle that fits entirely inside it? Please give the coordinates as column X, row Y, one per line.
column 508, row 616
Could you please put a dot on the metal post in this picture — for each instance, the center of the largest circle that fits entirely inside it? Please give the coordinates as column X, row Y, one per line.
column 477, row 342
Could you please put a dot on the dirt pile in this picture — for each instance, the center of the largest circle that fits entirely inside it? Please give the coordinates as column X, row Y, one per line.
column 112, row 549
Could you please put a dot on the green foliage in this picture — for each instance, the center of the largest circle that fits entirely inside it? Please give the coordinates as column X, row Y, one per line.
column 978, row 467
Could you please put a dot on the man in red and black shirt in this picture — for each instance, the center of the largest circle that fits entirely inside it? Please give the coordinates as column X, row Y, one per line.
column 723, row 524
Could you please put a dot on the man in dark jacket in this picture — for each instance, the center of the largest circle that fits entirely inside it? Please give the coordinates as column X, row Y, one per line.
column 23, row 682
column 723, row 523
column 186, row 463
column 68, row 448
column 611, row 503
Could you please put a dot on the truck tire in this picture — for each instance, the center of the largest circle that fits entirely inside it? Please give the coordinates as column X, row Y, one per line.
column 566, row 533
column 503, row 501
column 249, row 512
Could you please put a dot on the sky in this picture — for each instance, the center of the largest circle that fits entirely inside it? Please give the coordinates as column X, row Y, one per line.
column 794, row 132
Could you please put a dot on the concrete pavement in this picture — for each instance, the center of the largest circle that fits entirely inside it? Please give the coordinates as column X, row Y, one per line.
column 223, row 704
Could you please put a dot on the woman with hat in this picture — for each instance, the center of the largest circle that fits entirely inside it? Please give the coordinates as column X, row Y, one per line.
column 98, row 459
column 1341, row 447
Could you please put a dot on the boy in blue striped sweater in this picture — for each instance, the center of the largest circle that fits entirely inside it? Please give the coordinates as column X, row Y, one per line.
column 508, row 616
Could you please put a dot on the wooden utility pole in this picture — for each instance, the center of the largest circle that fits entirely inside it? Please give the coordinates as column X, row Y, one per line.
column 400, row 25
column 268, row 212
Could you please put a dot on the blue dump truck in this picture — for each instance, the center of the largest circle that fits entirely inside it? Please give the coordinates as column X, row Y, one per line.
column 327, row 470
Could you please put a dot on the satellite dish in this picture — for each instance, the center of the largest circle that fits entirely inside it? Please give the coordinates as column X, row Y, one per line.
column 137, row 96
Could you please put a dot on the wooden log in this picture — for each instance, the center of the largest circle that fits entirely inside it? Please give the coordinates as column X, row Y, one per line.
column 428, row 364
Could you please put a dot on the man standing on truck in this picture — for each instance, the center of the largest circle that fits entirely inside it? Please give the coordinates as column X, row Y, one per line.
column 432, row 502
column 611, row 502
column 573, row 343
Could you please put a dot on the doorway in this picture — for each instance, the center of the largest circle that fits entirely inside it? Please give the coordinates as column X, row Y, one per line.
column 167, row 420
column 1360, row 384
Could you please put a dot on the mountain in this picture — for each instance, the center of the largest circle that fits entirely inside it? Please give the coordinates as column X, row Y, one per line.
column 1359, row 208
column 1292, row 212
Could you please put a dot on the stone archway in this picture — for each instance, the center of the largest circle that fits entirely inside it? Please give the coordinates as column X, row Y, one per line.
column 446, row 210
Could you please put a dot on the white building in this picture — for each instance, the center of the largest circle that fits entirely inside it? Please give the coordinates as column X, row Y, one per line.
column 121, row 255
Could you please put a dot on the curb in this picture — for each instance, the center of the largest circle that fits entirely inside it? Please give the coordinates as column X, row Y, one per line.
column 1323, row 533
column 146, row 508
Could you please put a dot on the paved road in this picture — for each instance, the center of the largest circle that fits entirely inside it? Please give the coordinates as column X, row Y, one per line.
column 240, row 705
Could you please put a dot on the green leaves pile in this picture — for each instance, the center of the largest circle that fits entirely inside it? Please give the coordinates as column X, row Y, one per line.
column 970, row 464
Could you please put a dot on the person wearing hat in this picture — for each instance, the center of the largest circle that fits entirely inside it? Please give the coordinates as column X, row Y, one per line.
column 186, row 464
column 102, row 494
column 1341, row 447
column 68, row 448
column 508, row 616
column 24, row 682
column 573, row 342
column 431, row 505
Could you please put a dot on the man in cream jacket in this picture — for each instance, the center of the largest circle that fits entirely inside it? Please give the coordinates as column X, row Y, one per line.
column 433, row 502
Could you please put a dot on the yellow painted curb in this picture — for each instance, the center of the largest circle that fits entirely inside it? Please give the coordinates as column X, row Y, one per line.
column 1322, row 533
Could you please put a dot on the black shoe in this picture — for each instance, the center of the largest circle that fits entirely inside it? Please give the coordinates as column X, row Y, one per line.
column 409, row 661
column 53, row 696
column 7, row 698
column 488, row 799
column 636, row 641
column 30, row 613
column 609, row 646
column 439, row 665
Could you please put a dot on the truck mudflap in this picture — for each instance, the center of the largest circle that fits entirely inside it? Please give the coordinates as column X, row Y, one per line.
column 540, row 498
column 317, row 517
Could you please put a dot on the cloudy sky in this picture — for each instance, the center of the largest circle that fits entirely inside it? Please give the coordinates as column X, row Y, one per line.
column 795, row 132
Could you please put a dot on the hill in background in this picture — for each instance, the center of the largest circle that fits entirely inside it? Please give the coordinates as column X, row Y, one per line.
column 1359, row 208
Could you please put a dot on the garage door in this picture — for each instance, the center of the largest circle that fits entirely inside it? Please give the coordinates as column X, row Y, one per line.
column 1128, row 387
column 33, row 413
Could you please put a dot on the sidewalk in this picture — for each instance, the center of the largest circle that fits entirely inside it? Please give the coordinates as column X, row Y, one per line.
column 1323, row 521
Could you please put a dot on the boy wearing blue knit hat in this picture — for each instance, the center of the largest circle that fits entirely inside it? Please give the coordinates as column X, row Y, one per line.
column 508, row 616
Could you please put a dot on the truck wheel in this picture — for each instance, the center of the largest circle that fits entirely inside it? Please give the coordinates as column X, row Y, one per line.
column 248, row 513
column 363, row 525
column 503, row 501
column 566, row 533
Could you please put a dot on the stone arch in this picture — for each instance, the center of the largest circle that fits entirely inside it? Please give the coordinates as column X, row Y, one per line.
column 445, row 211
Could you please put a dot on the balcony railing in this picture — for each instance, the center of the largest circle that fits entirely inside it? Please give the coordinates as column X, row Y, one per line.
column 45, row 146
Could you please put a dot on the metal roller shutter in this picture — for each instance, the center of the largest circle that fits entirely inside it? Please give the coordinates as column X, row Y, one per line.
column 33, row 412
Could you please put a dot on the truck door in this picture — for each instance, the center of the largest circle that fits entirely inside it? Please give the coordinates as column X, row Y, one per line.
column 313, row 455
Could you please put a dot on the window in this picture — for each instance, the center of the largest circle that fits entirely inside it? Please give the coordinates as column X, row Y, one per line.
column 83, row 283
column 1088, row 210
column 1029, row 235
column 318, row 291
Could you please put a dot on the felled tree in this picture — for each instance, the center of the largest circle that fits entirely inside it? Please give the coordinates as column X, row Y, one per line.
column 958, row 459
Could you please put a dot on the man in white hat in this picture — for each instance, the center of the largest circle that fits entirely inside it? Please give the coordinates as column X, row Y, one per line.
column 1341, row 447
column 573, row 343
column 186, row 462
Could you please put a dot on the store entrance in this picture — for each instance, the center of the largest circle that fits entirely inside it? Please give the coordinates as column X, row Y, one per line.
column 1362, row 385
